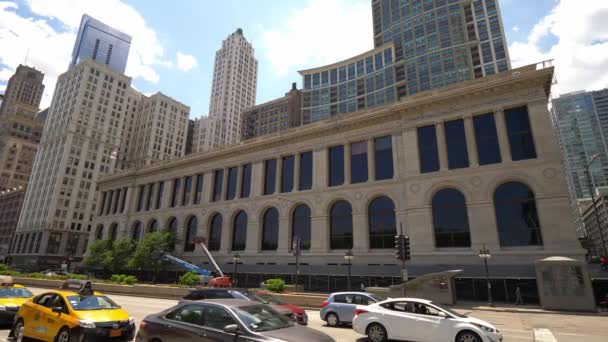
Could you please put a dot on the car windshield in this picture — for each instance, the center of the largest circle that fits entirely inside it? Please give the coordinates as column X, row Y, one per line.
column 15, row 292
column 267, row 298
column 450, row 311
column 262, row 318
column 377, row 298
column 92, row 303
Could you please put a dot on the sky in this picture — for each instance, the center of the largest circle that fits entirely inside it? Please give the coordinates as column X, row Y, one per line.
column 174, row 42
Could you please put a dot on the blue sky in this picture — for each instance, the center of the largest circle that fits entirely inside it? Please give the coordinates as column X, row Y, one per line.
column 286, row 35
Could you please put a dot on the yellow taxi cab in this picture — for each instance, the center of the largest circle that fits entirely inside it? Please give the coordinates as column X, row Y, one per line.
column 11, row 297
column 75, row 313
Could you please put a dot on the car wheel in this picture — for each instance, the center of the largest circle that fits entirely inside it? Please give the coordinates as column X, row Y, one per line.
column 376, row 333
column 63, row 336
column 332, row 319
column 468, row 336
column 19, row 331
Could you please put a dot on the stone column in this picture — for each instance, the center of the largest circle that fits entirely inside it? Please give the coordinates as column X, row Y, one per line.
column 319, row 226
column 226, row 243
column 320, row 169
column 132, row 195
column 360, row 233
column 207, row 187
column 371, row 160
column 284, row 234
column 482, row 226
column 410, row 154
column 224, row 184
column 347, row 173
column 503, row 138
column 396, row 147
column 469, row 132
column 542, row 130
column 257, row 178
column 296, row 172
column 441, row 146
column 254, row 242
column 279, row 173
column 420, row 229
column 239, row 181
column 180, row 192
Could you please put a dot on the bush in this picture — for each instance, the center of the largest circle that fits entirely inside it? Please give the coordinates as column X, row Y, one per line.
column 275, row 285
column 123, row 279
column 76, row 276
column 3, row 267
column 10, row 273
column 189, row 279
column 130, row 280
column 35, row 275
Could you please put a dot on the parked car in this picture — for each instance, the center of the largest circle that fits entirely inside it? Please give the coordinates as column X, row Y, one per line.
column 12, row 296
column 413, row 319
column 270, row 299
column 340, row 307
column 223, row 293
column 230, row 320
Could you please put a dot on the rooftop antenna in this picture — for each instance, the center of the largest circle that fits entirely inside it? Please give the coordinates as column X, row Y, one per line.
column 26, row 56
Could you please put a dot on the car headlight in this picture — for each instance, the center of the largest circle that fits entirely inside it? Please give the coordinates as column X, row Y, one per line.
column 131, row 320
column 485, row 328
column 2, row 308
column 87, row 323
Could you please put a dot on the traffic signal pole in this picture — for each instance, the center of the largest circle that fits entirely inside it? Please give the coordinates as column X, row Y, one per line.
column 402, row 252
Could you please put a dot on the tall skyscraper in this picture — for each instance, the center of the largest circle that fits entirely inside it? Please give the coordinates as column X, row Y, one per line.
column 23, row 92
column 232, row 91
column 102, row 43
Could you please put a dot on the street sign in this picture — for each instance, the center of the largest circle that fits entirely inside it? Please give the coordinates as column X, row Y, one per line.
column 64, row 267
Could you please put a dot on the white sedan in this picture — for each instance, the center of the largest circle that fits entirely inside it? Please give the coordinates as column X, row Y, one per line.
column 420, row 320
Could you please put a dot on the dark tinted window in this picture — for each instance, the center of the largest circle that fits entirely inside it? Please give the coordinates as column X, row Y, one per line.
column 199, row 189
column 287, row 174
column 159, row 195
column 218, row 180
column 383, row 157
column 341, row 226
column 217, row 318
column 215, row 233
column 103, row 203
column 187, row 190
column 124, row 197
column 450, row 219
column 382, row 224
column 456, row 143
column 136, row 230
column 172, row 226
column 140, row 198
column 516, row 215
column 270, row 174
column 301, row 225
column 488, row 150
column 190, row 234
column 113, row 232
column 246, row 181
column 358, row 162
column 176, row 184
column 115, row 206
column 153, row 226
column 232, row 174
column 520, row 134
column 427, row 149
column 336, row 165
column 270, row 229
column 306, row 170
column 239, row 233
column 149, row 197
column 192, row 314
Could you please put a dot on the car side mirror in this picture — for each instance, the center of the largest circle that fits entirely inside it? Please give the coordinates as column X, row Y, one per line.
column 57, row 309
column 231, row 329
column 442, row 314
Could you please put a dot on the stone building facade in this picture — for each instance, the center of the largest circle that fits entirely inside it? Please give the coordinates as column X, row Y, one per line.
column 10, row 207
column 490, row 174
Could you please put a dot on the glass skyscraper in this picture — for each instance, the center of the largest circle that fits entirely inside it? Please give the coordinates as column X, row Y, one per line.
column 102, row 43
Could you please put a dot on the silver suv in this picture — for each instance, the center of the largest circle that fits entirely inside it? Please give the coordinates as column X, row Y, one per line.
column 340, row 306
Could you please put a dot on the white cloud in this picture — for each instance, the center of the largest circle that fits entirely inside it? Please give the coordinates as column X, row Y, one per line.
column 581, row 52
column 516, row 28
column 186, row 62
column 321, row 32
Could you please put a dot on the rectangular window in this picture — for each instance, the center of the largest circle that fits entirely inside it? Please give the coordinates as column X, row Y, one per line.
column 456, row 143
column 307, row 82
column 115, row 205
column 358, row 162
column 305, row 171
column 218, row 181
column 176, row 184
column 270, row 176
column 336, row 165
column 486, row 138
column 53, row 243
column 159, row 194
column 103, row 202
column 123, row 201
column 231, row 189
column 333, row 76
column 383, row 153
column 187, row 190
column 427, row 149
column 150, row 196
column 140, row 198
column 287, row 173
column 199, row 189
column 246, row 181
column 109, row 204
column 520, row 133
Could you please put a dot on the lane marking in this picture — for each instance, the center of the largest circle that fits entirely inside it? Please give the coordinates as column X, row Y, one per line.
column 544, row 335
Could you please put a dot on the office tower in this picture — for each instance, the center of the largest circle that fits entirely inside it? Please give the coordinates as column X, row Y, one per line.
column 233, row 90
column 23, row 92
column 20, row 127
column 160, row 133
column 10, row 207
column 273, row 116
column 190, row 137
column 102, row 43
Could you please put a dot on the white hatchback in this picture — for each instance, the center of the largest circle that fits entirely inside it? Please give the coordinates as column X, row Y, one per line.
column 420, row 320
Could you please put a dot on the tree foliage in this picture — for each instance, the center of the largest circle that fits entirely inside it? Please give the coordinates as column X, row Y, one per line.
column 117, row 257
column 148, row 252
column 97, row 252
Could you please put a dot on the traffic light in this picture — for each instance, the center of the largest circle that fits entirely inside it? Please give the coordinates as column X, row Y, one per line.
column 406, row 247
column 399, row 247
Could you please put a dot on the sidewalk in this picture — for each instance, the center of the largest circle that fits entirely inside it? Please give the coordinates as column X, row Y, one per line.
column 504, row 307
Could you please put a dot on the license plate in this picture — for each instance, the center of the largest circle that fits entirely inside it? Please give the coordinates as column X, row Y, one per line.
column 115, row 332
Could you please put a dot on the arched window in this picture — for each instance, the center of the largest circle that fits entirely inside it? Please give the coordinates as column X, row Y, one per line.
column 300, row 226
column 172, row 226
column 191, row 234
column 153, row 226
column 114, row 231
column 382, row 223
column 239, row 232
column 215, row 233
column 450, row 219
column 99, row 232
column 136, row 231
column 270, row 229
column 516, row 215
column 341, row 226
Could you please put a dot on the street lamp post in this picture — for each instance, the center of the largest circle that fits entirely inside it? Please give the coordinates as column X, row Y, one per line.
column 485, row 254
column 235, row 259
column 592, row 191
column 349, row 258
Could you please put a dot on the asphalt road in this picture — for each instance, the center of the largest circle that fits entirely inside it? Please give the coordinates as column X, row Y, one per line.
column 517, row 327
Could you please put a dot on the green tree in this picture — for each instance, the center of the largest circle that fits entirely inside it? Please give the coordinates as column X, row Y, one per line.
column 97, row 253
column 117, row 257
column 148, row 252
